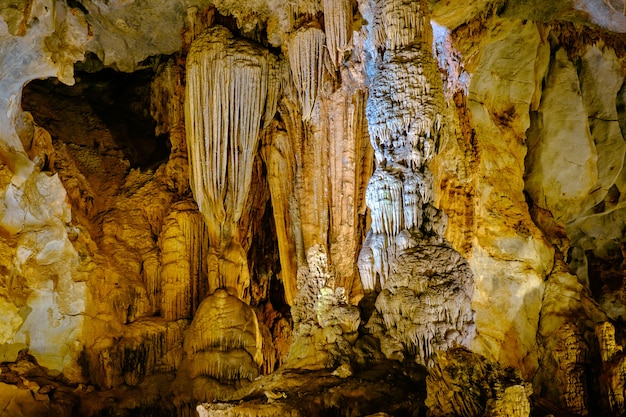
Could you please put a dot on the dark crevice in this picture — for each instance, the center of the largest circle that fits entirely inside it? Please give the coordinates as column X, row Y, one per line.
column 621, row 109
column 76, row 4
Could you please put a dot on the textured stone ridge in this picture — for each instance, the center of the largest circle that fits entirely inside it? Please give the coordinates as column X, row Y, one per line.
column 462, row 383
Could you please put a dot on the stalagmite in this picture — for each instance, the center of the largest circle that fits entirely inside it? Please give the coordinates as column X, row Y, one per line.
column 306, row 58
column 571, row 354
column 231, row 94
column 223, row 322
column 224, row 341
column 613, row 377
column 324, row 324
column 462, row 383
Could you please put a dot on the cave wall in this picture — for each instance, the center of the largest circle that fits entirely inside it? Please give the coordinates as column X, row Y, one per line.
column 343, row 186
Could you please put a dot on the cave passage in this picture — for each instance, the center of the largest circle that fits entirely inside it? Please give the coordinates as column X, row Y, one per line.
column 106, row 110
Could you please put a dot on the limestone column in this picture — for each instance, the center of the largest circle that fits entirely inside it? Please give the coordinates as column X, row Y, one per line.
column 424, row 286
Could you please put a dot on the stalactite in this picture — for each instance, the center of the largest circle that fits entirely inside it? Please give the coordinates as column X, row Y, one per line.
column 306, row 57
column 350, row 167
column 232, row 91
column 338, row 27
column 404, row 107
column 146, row 347
column 367, row 270
column 412, row 201
column 167, row 107
column 151, row 274
column 234, row 364
column 269, row 352
column 384, row 198
column 365, row 150
column 310, row 142
column 406, row 22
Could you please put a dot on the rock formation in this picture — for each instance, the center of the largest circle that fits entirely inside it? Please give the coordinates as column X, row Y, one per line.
column 312, row 207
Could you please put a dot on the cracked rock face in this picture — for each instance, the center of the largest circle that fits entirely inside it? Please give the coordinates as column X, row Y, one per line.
column 312, row 207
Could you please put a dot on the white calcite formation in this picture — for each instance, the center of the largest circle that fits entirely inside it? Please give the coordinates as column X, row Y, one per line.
column 65, row 34
column 43, row 267
column 426, row 286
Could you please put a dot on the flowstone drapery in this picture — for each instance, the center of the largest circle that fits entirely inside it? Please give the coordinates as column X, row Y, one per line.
column 425, row 286
column 338, row 22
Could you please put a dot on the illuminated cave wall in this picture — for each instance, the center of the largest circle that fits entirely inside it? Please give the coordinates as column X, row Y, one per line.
column 308, row 208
